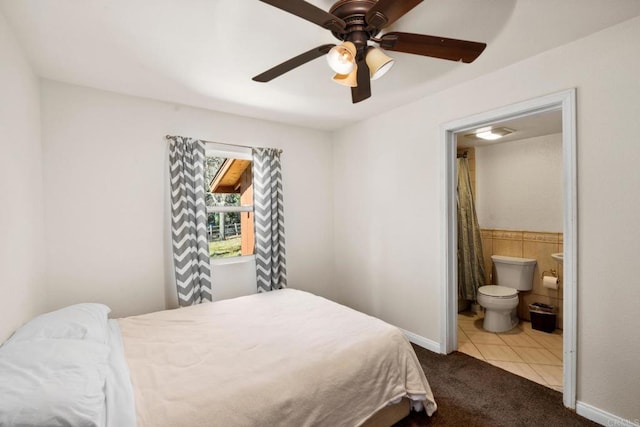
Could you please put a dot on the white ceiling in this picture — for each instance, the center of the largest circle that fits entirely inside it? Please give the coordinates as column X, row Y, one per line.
column 539, row 124
column 203, row 53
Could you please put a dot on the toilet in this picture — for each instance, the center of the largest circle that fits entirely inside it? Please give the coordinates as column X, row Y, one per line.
column 500, row 301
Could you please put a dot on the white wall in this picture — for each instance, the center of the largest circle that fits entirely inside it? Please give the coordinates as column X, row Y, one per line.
column 22, row 246
column 519, row 184
column 389, row 182
column 106, row 185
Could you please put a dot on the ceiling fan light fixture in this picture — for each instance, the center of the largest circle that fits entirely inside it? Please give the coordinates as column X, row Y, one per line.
column 342, row 58
column 350, row 79
column 379, row 63
column 355, row 23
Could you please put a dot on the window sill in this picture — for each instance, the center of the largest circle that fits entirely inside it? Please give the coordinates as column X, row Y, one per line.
column 232, row 260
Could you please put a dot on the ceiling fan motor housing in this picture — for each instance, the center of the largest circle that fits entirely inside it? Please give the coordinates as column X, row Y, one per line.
column 358, row 30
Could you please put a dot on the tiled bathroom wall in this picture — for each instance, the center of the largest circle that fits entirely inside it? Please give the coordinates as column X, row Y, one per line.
column 527, row 244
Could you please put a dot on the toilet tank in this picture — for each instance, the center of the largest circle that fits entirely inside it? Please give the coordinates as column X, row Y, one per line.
column 512, row 272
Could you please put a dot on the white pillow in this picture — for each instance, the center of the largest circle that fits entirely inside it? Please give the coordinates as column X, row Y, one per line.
column 53, row 382
column 86, row 321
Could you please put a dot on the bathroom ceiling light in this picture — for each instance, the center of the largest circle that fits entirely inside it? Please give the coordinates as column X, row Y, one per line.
column 490, row 133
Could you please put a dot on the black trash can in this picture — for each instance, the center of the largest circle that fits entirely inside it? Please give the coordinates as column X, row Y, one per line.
column 543, row 317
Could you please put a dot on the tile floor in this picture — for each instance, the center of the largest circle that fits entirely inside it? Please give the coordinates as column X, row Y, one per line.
column 524, row 351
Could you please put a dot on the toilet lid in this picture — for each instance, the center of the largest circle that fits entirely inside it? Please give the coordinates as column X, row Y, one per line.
column 497, row 291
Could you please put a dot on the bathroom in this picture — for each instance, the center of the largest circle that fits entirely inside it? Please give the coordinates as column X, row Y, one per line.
column 516, row 183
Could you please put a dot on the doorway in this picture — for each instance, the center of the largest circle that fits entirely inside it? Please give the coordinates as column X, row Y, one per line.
column 564, row 103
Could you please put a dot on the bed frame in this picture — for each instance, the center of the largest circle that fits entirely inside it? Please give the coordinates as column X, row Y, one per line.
column 389, row 415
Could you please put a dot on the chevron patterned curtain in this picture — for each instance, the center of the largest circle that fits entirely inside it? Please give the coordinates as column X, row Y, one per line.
column 189, row 221
column 271, row 272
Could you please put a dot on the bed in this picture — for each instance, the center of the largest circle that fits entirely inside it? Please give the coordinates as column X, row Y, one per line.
column 283, row 358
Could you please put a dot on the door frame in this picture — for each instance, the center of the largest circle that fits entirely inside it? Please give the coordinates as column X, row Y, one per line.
column 564, row 101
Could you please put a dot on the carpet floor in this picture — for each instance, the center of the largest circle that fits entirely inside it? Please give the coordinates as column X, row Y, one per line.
column 470, row 392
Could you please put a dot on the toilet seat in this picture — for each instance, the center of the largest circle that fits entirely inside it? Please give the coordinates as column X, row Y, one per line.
column 500, row 304
column 499, row 292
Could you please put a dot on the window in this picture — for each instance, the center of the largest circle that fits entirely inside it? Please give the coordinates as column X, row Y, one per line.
column 229, row 202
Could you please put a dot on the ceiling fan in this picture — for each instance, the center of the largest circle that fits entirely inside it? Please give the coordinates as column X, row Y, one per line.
column 355, row 23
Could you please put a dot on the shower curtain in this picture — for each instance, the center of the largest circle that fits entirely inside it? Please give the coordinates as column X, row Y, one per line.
column 471, row 274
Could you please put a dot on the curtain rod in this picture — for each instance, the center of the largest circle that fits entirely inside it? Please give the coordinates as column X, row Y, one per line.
column 210, row 142
column 213, row 142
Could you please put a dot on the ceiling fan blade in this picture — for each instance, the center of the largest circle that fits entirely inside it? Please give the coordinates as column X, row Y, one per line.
column 295, row 62
column 310, row 12
column 386, row 12
column 437, row 47
column 363, row 90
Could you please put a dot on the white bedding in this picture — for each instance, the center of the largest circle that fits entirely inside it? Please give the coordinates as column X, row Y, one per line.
column 120, row 407
column 54, row 369
column 53, row 383
column 283, row 358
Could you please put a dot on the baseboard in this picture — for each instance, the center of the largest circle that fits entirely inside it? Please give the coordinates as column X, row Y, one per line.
column 422, row 341
column 604, row 418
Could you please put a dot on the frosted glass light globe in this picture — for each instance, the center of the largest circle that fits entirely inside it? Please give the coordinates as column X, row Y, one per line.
column 341, row 58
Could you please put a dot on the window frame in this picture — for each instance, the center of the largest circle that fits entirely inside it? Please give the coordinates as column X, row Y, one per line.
column 229, row 152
